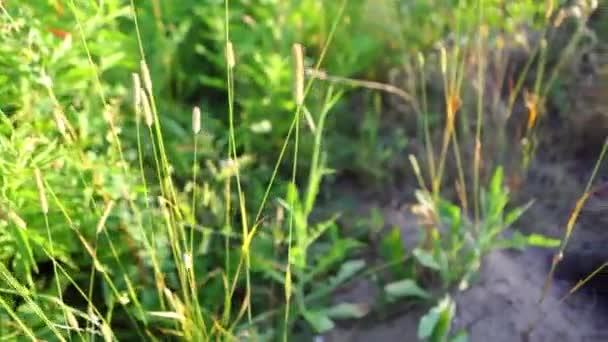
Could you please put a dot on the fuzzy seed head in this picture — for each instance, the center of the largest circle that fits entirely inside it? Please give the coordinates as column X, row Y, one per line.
column 72, row 321
column 288, row 284
column 444, row 60
column 148, row 116
column 196, row 120
column 298, row 56
column 41, row 192
column 415, row 164
column 106, row 332
column 17, row 220
column 59, row 121
column 108, row 114
column 230, row 55
column 145, row 74
column 187, row 261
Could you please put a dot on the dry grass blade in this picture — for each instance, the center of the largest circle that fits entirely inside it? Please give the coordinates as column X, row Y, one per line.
column 581, row 283
column 387, row 88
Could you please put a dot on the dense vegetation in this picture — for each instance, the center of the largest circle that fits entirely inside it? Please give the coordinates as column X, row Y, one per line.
column 166, row 167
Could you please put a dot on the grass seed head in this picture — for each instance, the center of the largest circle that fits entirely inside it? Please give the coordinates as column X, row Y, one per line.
column 72, row 321
column 196, row 120
column 136, row 93
column 187, row 261
column 230, row 55
column 17, row 220
column 41, row 192
column 298, row 56
column 145, row 74
column 59, row 121
column 148, row 116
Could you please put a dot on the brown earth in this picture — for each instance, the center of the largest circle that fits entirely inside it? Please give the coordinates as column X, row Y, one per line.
column 501, row 306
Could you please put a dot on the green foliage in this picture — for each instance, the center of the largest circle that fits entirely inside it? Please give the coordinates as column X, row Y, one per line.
column 405, row 288
column 458, row 244
column 425, row 23
column 393, row 252
column 435, row 325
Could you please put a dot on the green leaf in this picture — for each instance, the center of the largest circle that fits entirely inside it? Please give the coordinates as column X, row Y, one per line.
column 319, row 321
column 520, row 240
column 543, row 241
column 496, row 181
column 392, row 251
column 337, row 252
column 436, row 323
column 426, row 259
column 320, row 229
column 348, row 310
column 514, row 214
column 405, row 288
column 451, row 215
column 349, row 269
column 427, row 324
column 462, row 336
column 446, row 310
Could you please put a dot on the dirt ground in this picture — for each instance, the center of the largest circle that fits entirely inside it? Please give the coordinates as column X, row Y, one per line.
column 501, row 307
column 504, row 303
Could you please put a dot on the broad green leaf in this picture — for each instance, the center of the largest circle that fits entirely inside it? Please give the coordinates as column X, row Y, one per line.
column 426, row 259
column 496, row 186
column 436, row 323
column 462, row 336
column 405, row 288
column 427, row 324
column 319, row 321
column 392, row 251
column 348, row 310
column 520, row 240
column 542, row 241
column 451, row 215
column 348, row 269
column 337, row 252
column 446, row 309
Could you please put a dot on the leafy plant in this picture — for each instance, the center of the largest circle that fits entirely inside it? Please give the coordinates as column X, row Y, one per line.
column 435, row 325
column 456, row 245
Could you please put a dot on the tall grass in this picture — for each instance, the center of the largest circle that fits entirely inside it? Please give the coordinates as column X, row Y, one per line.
column 180, row 309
